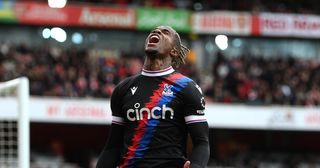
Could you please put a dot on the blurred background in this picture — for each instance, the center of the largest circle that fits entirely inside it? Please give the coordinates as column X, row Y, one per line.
column 257, row 62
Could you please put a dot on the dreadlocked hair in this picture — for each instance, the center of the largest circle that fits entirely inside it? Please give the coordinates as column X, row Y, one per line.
column 182, row 52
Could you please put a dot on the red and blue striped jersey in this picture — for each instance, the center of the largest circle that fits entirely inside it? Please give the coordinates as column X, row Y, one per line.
column 154, row 108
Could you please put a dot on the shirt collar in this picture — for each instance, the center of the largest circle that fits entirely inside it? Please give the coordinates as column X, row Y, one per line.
column 161, row 72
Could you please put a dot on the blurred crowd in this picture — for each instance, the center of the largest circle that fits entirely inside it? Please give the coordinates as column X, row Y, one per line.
column 261, row 81
column 72, row 72
column 77, row 72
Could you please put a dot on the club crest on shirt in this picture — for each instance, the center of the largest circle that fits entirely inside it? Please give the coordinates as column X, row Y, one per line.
column 167, row 90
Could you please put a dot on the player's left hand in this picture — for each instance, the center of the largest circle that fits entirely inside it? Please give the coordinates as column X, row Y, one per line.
column 187, row 164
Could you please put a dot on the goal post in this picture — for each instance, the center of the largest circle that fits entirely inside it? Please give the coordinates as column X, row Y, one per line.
column 21, row 87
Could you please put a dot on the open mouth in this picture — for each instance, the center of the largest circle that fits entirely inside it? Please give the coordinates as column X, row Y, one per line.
column 154, row 39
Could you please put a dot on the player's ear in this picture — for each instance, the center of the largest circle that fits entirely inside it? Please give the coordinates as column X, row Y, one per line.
column 174, row 52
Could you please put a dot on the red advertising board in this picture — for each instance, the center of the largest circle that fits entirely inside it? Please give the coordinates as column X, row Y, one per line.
column 238, row 23
column 263, row 24
column 74, row 15
column 215, row 22
column 289, row 25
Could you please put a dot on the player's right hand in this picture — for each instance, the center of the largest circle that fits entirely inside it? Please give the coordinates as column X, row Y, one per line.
column 187, row 164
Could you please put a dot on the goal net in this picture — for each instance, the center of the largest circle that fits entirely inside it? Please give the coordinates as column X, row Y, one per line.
column 14, row 124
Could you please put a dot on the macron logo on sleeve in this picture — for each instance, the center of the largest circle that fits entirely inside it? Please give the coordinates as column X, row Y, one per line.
column 134, row 89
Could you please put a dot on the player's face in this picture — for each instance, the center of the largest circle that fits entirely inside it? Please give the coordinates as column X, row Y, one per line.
column 160, row 41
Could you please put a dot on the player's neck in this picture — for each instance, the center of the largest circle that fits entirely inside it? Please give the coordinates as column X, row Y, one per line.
column 156, row 64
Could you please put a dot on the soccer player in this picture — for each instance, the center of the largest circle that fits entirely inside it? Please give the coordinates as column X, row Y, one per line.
column 153, row 112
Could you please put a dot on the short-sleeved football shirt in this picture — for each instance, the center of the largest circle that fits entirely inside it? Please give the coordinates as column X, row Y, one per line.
column 154, row 108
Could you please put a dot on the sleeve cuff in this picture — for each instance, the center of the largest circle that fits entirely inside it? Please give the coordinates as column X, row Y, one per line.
column 195, row 119
column 118, row 120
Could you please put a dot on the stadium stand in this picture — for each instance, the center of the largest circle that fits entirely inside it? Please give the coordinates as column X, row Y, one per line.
column 259, row 81
column 59, row 71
